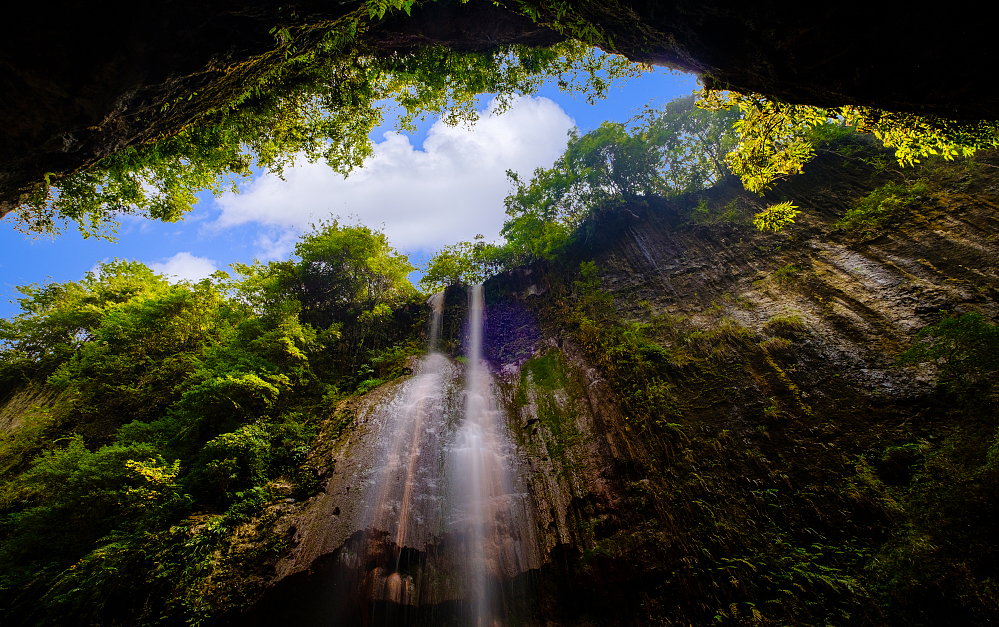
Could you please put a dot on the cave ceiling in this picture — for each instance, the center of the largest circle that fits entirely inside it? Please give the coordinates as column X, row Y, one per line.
column 80, row 80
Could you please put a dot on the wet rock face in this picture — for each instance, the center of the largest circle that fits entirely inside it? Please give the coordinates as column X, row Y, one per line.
column 23, row 404
column 815, row 319
column 783, row 414
column 940, row 254
column 511, row 334
column 423, row 516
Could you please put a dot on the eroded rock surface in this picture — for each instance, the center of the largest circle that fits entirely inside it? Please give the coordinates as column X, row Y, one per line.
column 782, row 428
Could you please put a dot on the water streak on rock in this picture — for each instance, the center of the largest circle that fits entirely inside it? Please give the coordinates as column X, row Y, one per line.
column 493, row 520
column 436, row 304
column 445, row 527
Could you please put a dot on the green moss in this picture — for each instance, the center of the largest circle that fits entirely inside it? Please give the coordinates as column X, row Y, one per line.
column 546, row 372
column 881, row 206
column 786, row 275
column 774, row 345
column 546, row 386
column 784, row 322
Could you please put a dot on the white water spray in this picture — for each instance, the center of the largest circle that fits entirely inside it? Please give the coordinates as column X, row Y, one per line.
column 445, row 487
column 492, row 518
column 436, row 303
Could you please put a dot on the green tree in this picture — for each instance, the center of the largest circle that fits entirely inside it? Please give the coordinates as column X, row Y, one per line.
column 346, row 270
column 170, row 397
column 58, row 319
column 317, row 96
column 693, row 141
column 465, row 263
column 776, row 139
column 664, row 153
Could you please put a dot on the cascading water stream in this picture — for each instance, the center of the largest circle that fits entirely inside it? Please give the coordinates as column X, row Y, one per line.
column 493, row 519
column 447, row 520
column 404, row 509
column 436, row 303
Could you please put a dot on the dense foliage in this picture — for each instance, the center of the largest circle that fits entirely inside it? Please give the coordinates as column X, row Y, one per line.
column 776, row 139
column 881, row 206
column 348, row 271
column 662, row 153
column 171, row 415
column 317, row 96
column 964, row 348
column 464, row 263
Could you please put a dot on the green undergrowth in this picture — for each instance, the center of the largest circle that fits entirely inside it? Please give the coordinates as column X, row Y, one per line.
column 757, row 502
column 882, row 206
column 143, row 490
column 734, row 212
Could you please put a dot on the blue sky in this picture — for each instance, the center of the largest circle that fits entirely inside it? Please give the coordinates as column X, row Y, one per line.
column 430, row 188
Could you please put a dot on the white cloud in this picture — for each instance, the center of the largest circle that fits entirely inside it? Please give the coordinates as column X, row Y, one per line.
column 185, row 266
column 449, row 191
column 277, row 245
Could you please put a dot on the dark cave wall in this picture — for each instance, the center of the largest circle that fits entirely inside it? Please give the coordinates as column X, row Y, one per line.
column 82, row 80
column 818, row 53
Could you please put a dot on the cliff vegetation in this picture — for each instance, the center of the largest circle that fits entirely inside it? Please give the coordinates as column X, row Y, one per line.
column 721, row 425
column 125, row 111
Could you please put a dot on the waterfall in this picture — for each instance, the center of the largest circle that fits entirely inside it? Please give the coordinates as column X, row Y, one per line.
column 404, row 508
column 492, row 518
column 447, row 522
column 436, row 304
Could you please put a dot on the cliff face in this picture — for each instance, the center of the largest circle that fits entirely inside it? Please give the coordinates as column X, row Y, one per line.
column 746, row 449
column 83, row 81
column 720, row 432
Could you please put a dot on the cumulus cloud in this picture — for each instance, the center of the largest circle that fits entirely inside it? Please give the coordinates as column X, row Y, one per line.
column 450, row 190
column 185, row 266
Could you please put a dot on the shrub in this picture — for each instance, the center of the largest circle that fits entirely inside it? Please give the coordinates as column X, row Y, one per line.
column 965, row 348
column 881, row 206
column 788, row 322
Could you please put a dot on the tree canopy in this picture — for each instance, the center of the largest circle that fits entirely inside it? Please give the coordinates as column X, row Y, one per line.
column 346, row 270
column 664, row 153
column 661, row 153
column 165, row 399
column 667, row 152
column 320, row 104
column 775, row 138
